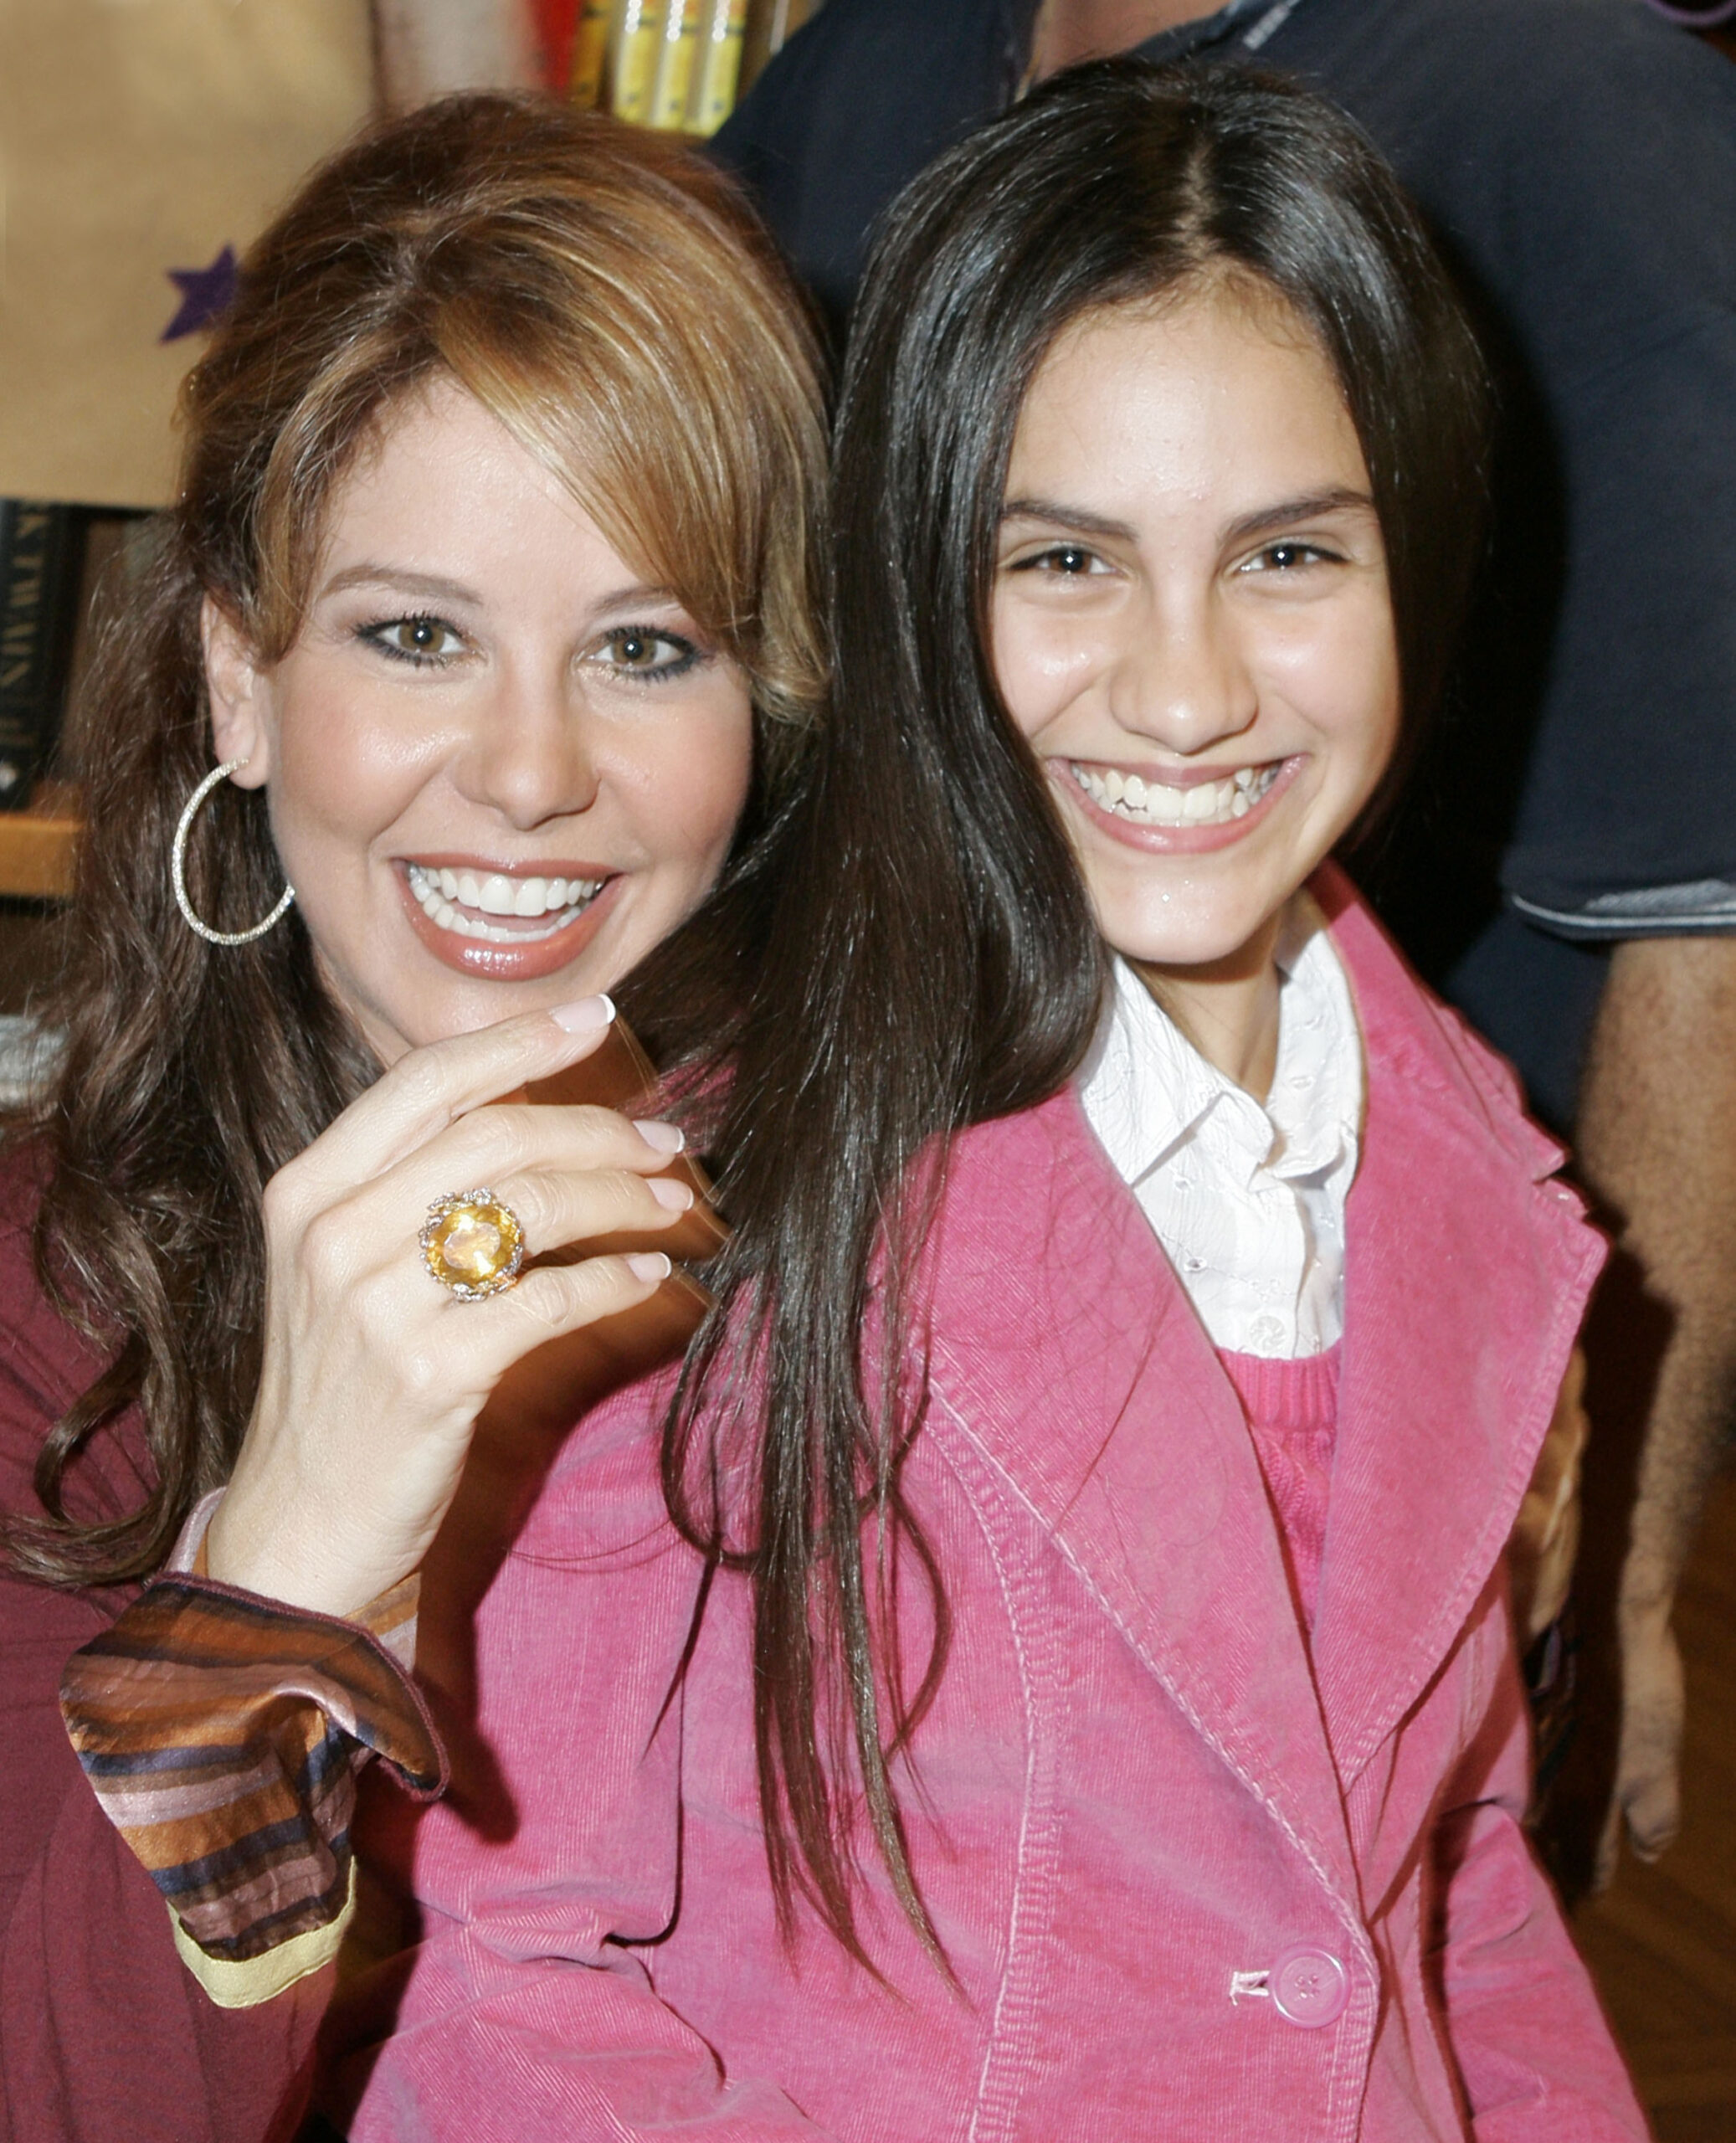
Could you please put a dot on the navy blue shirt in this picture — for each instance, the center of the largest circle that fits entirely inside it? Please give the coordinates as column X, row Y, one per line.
column 1576, row 159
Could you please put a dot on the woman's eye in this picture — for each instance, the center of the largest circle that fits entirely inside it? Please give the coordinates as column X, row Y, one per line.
column 1067, row 561
column 1287, row 557
column 642, row 652
column 416, row 640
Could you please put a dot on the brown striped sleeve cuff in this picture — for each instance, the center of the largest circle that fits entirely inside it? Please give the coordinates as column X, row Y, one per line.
column 222, row 1733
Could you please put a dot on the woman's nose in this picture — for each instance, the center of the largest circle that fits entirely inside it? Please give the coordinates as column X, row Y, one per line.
column 528, row 756
column 1181, row 679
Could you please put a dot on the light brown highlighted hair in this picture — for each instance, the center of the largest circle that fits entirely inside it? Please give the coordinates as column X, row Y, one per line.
column 606, row 295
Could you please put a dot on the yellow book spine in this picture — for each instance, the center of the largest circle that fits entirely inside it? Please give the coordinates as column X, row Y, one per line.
column 675, row 64
column 720, row 65
column 590, row 54
column 640, row 40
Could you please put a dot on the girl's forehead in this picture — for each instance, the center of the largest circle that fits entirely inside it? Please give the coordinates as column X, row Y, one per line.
column 1222, row 292
column 1217, row 387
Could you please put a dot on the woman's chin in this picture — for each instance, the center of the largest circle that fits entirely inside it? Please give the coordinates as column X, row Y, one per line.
column 1175, row 938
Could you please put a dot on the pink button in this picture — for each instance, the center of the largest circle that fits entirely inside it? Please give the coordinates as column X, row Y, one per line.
column 1308, row 1986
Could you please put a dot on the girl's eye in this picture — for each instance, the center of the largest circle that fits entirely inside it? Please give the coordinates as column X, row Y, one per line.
column 645, row 651
column 1287, row 556
column 416, row 640
column 1066, row 561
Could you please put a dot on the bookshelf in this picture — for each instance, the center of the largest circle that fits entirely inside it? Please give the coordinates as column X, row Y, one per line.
column 678, row 66
column 37, row 844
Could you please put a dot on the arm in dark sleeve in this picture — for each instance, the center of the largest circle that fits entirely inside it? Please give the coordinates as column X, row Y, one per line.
column 1578, row 160
column 103, row 2032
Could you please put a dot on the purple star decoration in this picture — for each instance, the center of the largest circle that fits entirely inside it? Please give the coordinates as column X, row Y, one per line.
column 206, row 294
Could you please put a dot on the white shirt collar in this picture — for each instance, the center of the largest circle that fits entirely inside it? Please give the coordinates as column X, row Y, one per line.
column 1145, row 1086
column 1248, row 1200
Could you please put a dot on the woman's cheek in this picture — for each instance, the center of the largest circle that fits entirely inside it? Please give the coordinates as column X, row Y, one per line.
column 1042, row 665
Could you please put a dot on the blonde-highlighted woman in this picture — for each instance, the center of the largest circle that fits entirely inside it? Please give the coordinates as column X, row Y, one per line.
column 478, row 650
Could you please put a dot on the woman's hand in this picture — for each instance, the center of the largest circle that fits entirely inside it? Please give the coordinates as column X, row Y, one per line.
column 373, row 1374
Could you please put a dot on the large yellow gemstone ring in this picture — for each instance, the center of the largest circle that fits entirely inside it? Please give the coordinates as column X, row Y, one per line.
column 473, row 1244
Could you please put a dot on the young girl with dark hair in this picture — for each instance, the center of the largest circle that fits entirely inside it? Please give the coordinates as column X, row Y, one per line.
column 1054, row 1675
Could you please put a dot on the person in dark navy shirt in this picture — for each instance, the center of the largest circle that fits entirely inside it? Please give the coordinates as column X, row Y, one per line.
column 1566, row 866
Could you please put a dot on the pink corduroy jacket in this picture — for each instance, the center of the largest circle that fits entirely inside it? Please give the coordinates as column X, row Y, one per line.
column 1197, row 1876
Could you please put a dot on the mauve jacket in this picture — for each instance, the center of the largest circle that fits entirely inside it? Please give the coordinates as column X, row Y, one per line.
column 105, row 2037
column 1137, row 1794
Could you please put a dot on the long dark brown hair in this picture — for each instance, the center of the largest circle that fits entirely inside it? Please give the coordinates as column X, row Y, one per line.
column 933, row 962
column 605, row 294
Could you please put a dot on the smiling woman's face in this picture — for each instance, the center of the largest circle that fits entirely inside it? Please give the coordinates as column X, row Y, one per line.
column 1192, row 623
column 500, row 766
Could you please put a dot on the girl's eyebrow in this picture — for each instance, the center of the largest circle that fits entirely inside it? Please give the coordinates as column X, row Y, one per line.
column 1064, row 517
column 1283, row 514
column 1288, row 511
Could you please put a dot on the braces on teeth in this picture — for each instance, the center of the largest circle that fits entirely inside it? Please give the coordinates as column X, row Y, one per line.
column 460, row 901
column 1153, row 803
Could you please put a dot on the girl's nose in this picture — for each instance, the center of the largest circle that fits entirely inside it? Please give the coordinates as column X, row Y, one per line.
column 1182, row 680
column 528, row 756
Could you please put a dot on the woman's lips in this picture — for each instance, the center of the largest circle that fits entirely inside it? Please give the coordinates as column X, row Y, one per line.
column 518, row 947
column 1188, row 838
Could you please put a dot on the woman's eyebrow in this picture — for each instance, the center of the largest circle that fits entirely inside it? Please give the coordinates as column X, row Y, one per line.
column 433, row 585
column 1288, row 511
column 437, row 588
column 1060, row 516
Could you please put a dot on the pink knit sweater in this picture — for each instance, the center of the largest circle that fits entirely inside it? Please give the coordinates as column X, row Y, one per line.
column 1292, row 1411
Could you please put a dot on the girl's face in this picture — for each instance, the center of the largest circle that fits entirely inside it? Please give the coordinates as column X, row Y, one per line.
column 1190, row 615
column 501, row 766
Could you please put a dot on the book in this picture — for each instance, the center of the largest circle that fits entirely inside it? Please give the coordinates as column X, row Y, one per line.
column 720, row 64
column 638, row 44
column 41, row 547
column 673, row 88
column 589, row 71
column 551, row 25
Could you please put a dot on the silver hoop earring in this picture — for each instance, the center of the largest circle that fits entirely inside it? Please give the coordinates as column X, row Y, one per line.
column 177, row 869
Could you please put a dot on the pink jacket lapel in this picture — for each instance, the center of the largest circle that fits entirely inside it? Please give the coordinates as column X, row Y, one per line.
column 1065, row 1350
column 1467, row 1275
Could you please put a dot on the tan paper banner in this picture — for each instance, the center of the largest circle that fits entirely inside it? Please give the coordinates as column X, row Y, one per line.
column 138, row 139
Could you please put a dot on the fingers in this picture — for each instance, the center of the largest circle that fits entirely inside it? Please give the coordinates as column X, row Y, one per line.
column 559, row 1211
column 431, row 1088
column 563, row 1298
column 524, row 1139
column 567, row 1173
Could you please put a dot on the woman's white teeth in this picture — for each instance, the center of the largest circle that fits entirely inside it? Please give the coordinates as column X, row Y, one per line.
column 1154, row 803
column 459, row 900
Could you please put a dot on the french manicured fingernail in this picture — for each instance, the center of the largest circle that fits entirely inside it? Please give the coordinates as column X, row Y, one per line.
column 586, row 1017
column 663, row 1138
column 669, row 1193
column 649, row 1264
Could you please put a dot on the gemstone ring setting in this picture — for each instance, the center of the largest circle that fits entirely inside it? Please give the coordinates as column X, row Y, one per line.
column 472, row 1243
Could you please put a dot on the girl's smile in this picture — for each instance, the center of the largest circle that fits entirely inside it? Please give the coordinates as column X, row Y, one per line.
column 1179, row 810
column 1191, row 620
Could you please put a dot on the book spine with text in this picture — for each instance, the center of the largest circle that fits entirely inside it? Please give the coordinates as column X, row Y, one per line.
column 638, row 42
column 590, row 54
column 674, row 87
column 41, row 555
column 720, row 64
